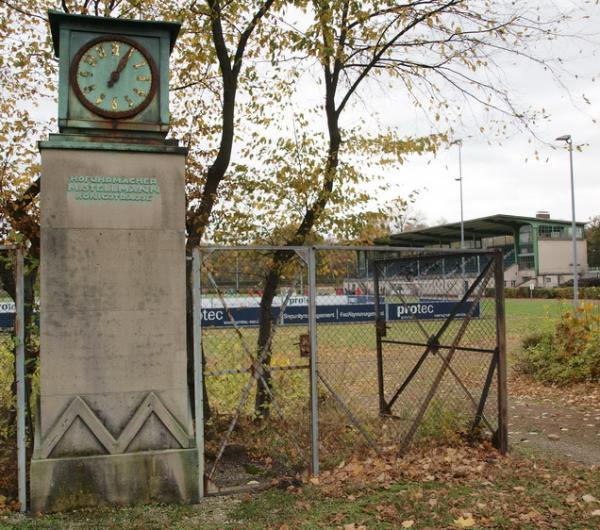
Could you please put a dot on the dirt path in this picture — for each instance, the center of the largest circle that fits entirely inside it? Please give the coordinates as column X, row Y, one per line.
column 564, row 423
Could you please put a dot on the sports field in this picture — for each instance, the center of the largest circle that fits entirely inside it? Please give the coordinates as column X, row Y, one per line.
column 347, row 363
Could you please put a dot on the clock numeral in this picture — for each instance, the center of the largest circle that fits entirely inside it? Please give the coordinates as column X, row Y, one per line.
column 116, row 48
column 143, row 78
column 139, row 65
column 89, row 88
column 139, row 92
column 114, row 104
column 86, row 74
column 129, row 102
column 90, row 59
column 100, row 51
column 100, row 99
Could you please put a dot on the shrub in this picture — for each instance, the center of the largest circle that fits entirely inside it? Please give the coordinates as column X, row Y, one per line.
column 569, row 354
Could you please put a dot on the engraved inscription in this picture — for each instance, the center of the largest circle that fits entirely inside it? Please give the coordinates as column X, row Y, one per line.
column 123, row 189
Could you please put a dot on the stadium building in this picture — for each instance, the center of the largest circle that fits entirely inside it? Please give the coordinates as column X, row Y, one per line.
column 536, row 249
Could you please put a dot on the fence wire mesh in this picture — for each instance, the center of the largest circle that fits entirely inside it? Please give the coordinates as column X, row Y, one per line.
column 425, row 369
column 407, row 350
column 255, row 370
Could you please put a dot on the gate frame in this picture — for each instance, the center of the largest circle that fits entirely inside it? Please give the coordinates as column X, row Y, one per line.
column 19, row 334
column 308, row 254
column 498, row 362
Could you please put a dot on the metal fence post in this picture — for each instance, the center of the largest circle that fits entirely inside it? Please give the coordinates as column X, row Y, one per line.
column 501, row 346
column 20, row 377
column 379, row 329
column 198, row 370
column 312, row 329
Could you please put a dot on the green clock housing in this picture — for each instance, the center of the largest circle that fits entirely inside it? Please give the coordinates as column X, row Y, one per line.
column 113, row 75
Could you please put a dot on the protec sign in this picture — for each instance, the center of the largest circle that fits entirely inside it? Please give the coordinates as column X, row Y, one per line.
column 331, row 314
column 326, row 314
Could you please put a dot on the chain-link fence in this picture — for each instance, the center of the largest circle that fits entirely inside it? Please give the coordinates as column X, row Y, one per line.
column 256, row 365
column 12, row 376
column 313, row 354
column 424, row 367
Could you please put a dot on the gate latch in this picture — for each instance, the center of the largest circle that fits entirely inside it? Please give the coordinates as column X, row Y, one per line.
column 304, row 343
column 381, row 327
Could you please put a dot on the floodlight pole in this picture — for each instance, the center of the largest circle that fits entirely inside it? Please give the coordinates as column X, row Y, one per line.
column 460, row 180
column 462, row 218
column 569, row 141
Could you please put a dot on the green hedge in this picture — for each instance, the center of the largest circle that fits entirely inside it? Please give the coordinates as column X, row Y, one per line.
column 585, row 293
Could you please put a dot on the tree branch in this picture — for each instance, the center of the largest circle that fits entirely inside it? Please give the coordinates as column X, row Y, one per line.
column 377, row 56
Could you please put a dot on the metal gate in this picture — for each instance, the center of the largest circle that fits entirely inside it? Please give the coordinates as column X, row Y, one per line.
column 432, row 351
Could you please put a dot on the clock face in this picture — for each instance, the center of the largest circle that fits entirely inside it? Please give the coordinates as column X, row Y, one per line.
column 114, row 77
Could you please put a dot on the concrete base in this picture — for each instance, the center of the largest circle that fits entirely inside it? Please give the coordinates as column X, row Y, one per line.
column 132, row 478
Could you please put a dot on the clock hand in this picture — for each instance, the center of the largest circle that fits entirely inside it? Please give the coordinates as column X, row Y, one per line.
column 114, row 76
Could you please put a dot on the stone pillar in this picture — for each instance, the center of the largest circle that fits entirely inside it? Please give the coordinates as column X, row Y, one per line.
column 115, row 422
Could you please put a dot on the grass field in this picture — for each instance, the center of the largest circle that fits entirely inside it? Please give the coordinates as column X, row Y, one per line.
column 347, row 361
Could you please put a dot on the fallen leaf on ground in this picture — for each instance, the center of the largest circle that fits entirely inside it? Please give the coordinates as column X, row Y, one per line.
column 409, row 523
column 464, row 522
column 589, row 498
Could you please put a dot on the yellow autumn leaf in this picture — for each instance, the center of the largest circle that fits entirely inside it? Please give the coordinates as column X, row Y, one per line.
column 464, row 522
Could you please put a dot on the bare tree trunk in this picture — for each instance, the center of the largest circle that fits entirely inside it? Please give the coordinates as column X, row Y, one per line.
column 265, row 330
column 198, row 219
column 281, row 258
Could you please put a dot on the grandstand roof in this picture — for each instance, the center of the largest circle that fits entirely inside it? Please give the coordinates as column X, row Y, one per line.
column 491, row 226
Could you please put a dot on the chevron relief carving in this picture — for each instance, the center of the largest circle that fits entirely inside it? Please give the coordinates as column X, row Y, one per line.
column 78, row 408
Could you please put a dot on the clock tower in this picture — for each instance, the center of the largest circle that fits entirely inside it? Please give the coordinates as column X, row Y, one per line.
column 113, row 74
column 114, row 422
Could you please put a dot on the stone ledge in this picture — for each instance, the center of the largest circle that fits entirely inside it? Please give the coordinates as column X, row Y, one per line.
column 128, row 143
column 169, row 476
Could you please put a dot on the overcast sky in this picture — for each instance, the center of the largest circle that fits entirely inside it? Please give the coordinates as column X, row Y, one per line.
column 504, row 177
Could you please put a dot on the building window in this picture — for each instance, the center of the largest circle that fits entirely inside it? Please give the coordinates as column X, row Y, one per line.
column 526, row 240
column 526, row 262
column 552, row 232
column 578, row 231
column 547, row 279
